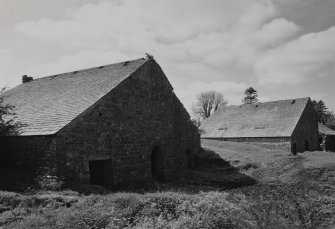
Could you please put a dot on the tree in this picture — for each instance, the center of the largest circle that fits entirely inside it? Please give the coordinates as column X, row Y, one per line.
column 207, row 103
column 321, row 111
column 8, row 125
column 250, row 96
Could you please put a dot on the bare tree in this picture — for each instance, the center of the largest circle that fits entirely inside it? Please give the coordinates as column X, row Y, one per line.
column 207, row 103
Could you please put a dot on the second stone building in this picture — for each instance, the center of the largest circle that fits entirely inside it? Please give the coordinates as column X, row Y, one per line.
column 290, row 125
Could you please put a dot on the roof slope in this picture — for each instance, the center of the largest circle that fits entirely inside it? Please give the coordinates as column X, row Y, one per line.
column 45, row 105
column 325, row 130
column 270, row 119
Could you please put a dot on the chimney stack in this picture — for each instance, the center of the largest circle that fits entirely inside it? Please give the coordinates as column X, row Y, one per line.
column 26, row 79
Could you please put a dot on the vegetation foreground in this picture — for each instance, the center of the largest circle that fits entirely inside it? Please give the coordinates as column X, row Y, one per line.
column 291, row 192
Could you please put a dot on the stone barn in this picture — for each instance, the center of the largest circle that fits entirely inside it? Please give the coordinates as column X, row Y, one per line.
column 290, row 125
column 113, row 125
column 326, row 138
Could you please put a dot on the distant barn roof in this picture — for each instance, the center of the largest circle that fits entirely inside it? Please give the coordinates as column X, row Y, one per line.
column 270, row 119
column 325, row 130
column 45, row 105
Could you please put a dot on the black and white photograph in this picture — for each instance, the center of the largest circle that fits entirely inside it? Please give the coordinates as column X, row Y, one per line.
column 168, row 114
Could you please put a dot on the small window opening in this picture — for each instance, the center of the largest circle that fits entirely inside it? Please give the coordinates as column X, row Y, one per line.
column 260, row 127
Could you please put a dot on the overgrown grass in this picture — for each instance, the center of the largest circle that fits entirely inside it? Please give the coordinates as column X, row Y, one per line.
column 119, row 210
column 196, row 199
column 260, row 206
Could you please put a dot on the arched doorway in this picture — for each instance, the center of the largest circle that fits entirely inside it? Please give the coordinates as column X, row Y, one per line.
column 157, row 166
column 189, row 159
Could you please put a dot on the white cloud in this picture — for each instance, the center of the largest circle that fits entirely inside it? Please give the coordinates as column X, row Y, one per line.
column 200, row 44
column 6, row 63
column 311, row 56
column 81, row 60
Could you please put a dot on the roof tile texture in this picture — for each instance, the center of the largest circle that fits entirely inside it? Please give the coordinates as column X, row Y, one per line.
column 270, row 119
column 45, row 105
column 325, row 130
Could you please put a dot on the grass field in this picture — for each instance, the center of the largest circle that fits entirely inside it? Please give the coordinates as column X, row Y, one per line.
column 251, row 188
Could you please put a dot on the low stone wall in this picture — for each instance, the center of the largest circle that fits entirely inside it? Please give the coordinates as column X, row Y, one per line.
column 269, row 143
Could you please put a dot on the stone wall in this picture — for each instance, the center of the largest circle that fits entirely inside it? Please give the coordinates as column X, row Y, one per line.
column 330, row 143
column 22, row 158
column 280, row 143
column 124, row 127
column 306, row 134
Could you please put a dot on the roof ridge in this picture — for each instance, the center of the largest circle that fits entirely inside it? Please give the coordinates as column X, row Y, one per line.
column 273, row 101
column 91, row 68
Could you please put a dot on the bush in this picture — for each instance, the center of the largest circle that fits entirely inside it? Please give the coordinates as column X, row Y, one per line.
column 51, row 183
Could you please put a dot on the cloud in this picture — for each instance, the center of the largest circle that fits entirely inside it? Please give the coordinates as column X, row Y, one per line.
column 6, row 61
column 81, row 60
column 309, row 57
column 236, row 43
column 173, row 20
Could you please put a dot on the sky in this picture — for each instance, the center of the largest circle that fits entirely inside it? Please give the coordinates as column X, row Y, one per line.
column 283, row 48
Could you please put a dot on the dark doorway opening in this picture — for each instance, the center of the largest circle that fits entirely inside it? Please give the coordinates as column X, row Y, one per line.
column 189, row 159
column 330, row 143
column 101, row 173
column 306, row 145
column 294, row 148
column 157, row 164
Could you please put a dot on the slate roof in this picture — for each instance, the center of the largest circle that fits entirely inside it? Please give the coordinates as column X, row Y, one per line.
column 325, row 130
column 45, row 105
column 270, row 119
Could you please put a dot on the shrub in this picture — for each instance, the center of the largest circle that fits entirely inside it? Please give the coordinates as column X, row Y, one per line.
column 51, row 183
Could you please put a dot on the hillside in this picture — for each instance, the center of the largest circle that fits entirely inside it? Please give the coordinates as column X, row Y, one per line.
column 251, row 188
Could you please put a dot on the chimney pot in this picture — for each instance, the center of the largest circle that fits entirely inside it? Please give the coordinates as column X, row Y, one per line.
column 26, row 79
